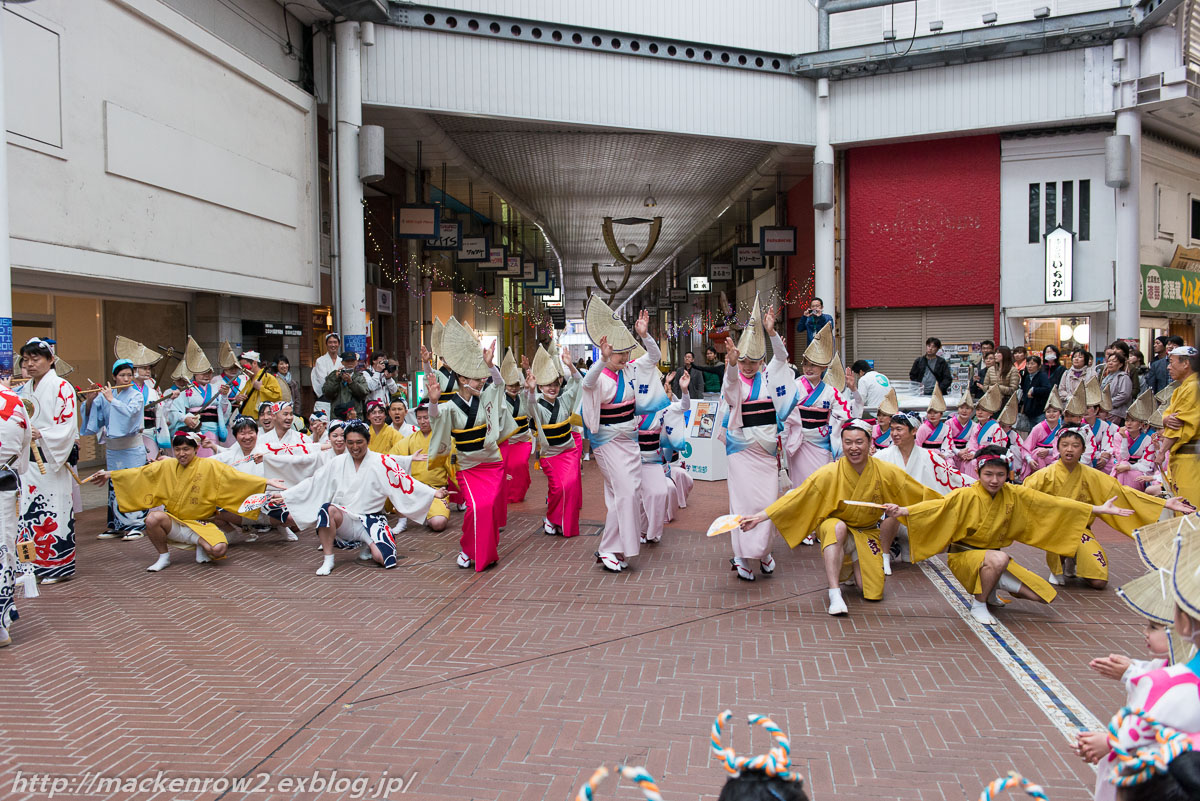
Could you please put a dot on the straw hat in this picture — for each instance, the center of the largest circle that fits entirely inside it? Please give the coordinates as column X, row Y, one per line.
column 227, row 356
column 136, row 352
column 1164, row 394
column 509, row 372
column 1008, row 417
column 966, row 399
column 820, row 350
column 835, row 376
column 1150, row 596
column 181, row 371
column 195, row 359
column 1092, row 393
column 752, row 344
column 637, row 353
column 1105, row 400
column 1156, row 419
column 1156, row 541
column 890, row 404
column 461, row 352
column 544, row 371
column 1185, row 574
column 435, row 337
column 1143, row 407
column 61, row 367
column 992, row 400
column 1078, row 403
column 937, row 402
column 599, row 321
column 1055, row 401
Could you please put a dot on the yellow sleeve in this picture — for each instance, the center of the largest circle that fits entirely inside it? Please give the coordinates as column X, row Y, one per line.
column 1184, row 405
column 935, row 523
column 903, row 489
column 232, row 486
column 400, row 446
column 1047, row 521
column 270, row 389
column 802, row 509
column 139, row 487
column 1146, row 508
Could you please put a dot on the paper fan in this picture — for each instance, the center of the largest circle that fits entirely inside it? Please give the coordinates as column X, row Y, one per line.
column 724, row 524
column 253, row 503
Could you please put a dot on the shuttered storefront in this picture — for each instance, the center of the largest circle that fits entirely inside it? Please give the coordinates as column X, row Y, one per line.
column 895, row 337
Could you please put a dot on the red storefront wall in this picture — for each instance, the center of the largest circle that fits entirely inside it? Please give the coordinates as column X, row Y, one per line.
column 923, row 224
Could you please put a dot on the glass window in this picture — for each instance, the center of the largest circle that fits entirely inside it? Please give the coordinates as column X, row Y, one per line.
column 1051, row 206
column 1085, row 210
column 1068, row 205
column 1035, row 213
column 1195, row 204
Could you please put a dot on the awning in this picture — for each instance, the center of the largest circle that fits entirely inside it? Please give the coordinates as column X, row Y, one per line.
column 1078, row 309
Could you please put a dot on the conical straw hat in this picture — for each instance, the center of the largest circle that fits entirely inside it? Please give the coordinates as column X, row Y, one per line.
column 752, row 344
column 1142, row 408
column 136, row 352
column 835, row 376
column 1164, row 394
column 181, row 371
column 509, row 372
column 1185, row 574
column 991, row 400
column 637, row 353
column 194, row 358
column 1092, row 394
column 461, row 352
column 1008, row 417
column 1078, row 403
column 1105, row 400
column 544, row 371
column 599, row 321
column 890, row 403
column 227, row 356
column 1156, row 419
column 1156, row 541
column 61, row 368
column 1150, row 596
column 1055, row 401
column 820, row 350
column 966, row 399
column 937, row 403
column 435, row 337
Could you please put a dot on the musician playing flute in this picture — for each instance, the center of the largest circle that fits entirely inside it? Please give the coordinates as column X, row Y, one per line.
column 116, row 413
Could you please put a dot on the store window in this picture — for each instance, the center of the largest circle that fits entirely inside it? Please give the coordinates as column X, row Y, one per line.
column 1064, row 333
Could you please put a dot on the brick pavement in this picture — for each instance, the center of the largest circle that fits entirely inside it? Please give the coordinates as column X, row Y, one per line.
column 516, row 682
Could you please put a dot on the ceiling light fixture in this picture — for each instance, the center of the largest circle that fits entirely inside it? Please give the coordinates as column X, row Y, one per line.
column 649, row 202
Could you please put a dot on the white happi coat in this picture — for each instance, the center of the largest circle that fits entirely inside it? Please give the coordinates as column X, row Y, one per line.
column 361, row 490
column 14, row 444
column 292, row 458
column 931, row 467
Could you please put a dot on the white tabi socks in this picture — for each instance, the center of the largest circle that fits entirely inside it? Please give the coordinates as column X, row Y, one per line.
column 326, row 566
column 164, row 559
column 837, row 604
column 202, row 555
column 887, row 564
column 980, row 612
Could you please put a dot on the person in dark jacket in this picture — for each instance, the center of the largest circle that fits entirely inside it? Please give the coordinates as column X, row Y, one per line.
column 714, row 371
column 347, row 385
column 1158, row 368
column 695, row 388
column 815, row 319
column 931, row 369
column 1051, row 364
column 1035, row 383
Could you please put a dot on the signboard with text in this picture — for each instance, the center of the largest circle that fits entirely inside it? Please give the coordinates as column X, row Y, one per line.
column 777, row 240
column 1060, row 246
column 418, row 222
column 720, row 271
column 449, row 235
column 1168, row 290
column 747, row 257
column 473, row 249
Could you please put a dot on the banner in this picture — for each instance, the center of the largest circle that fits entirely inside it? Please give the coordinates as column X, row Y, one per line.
column 1168, row 290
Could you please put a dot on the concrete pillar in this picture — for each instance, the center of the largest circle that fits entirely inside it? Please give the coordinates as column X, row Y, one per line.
column 823, row 196
column 352, row 240
column 1128, row 210
column 6, row 327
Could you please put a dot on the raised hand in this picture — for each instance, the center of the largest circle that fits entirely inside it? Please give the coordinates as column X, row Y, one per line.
column 426, row 356
column 768, row 321
column 530, row 381
column 566, row 356
column 685, row 381
column 605, row 349
column 731, row 356
column 524, row 362
column 1110, row 508
column 642, row 326
column 489, row 354
column 433, row 389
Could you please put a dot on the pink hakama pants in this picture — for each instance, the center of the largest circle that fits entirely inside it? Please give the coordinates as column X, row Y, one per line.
column 681, row 486
column 657, row 490
column 621, row 465
column 753, row 486
column 564, row 490
column 516, row 469
column 483, row 487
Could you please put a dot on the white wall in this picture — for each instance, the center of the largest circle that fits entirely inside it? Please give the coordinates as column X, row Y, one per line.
column 1170, row 179
column 150, row 151
column 254, row 27
column 1044, row 159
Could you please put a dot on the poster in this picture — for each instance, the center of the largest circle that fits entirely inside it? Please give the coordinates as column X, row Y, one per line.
column 704, row 420
column 961, row 356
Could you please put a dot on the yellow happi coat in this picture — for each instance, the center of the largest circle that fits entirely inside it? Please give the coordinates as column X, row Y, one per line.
column 270, row 392
column 431, row 471
column 817, row 504
column 1184, row 467
column 384, row 440
column 1093, row 487
column 189, row 494
column 970, row 522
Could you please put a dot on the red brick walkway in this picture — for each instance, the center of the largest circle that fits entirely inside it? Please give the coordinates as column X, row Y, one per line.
column 515, row 683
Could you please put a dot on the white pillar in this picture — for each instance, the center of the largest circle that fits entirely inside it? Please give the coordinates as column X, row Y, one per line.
column 1128, row 274
column 6, row 329
column 352, row 244
column 823, row 218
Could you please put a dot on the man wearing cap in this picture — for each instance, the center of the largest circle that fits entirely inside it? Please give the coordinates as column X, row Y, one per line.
column 380, row 384
column 48, row 515
column 256, row 386
column 117, row 416
column 347, row 385
column 847, row 530
column 1181, row 424
column 325, row 364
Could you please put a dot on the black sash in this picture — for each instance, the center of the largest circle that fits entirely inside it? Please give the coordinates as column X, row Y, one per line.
column 621, row 414
column 649, row 441
column 557, row 433
column 758, row 413
column 809, row 418
column 468, row 440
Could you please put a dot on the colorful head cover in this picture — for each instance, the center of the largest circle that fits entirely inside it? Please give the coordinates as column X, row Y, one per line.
column 1008, row 417
column 752, row 344
column 638, row 776
column 890, row 404
column 243, row 421
column 42, row 346
column 136, row 352
column 119, row 364
column 194, row 358
column 907, row 418
column 599, row 321
column 279, row 406
column 332, row 334
column 1013, row 779
column 1185, row 352
column 1078, row 404
column 1092, row 394
column 835, row 376
column 992, row 400
column 1137, row 765
column 1003, row 458
column 336, row 424
column 937, row 403
column 266, row 406
column 820, row 350
column 358, row 427
column 317, row 415
column 544, row 371
column 509, row 372
column 1142, row 408
column 190, row 436
column 773, row 763
column 462, row 352
column 375, row 403
column 858, row 424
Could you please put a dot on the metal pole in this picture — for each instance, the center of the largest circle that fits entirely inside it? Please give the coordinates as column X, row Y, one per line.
column 350, row 192
column 6, row 327
column 823, row 218
column 1128, row 275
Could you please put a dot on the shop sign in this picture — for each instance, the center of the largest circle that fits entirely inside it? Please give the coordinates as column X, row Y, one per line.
column 720, row 271
column 260, row 328
column 449, row 235
column 679, row 295
column 1186, row 259
column 417, row 222
column 1059, row 265
column 747, row 257
column 777, row 240
column 473, row 249
column 1168, row 290
column 383, row 301
column 699, row 285
column 497, row 259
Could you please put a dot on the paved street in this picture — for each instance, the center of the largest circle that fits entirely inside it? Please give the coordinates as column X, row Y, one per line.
column 515, row 683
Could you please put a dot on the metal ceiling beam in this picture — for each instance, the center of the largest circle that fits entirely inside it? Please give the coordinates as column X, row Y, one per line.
column 1068, row 32
column 357, row 10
